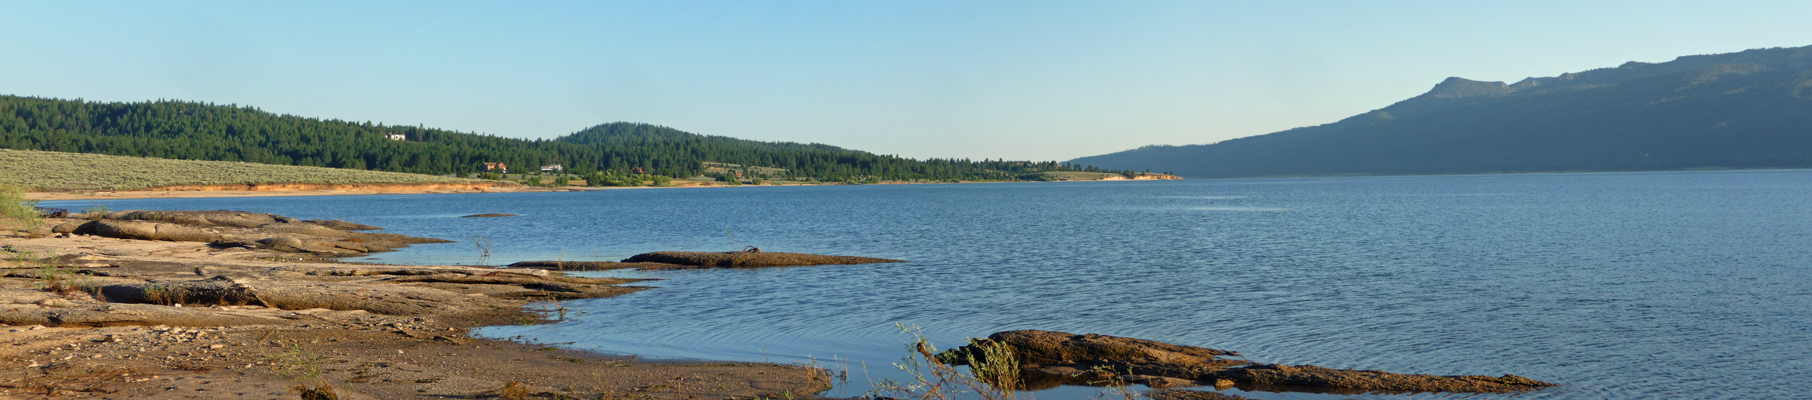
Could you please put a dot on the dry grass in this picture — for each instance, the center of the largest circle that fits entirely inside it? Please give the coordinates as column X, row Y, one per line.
column 46, row 170
column 513, row 390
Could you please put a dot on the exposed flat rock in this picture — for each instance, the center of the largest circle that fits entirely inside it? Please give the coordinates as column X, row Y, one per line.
column 594, row 265
column 324, row 238
column 1046, row 347
column 87, row 316
column 1049, row 358
column 740, row 259
column 342, row 225
column 152, row 231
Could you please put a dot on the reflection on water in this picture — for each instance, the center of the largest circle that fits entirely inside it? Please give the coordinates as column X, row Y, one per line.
column 1647, row 285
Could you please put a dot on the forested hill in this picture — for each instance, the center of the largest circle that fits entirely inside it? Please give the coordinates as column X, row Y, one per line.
column 202, row 131
column 1751, row 109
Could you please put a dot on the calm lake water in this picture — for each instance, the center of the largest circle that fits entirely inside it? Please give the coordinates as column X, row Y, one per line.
column 1618, row 286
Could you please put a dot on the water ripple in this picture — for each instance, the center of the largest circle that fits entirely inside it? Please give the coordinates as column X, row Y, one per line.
column 1618, row 286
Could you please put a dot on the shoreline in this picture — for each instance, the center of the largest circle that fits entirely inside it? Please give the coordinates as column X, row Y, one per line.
column 286, row 190
column 233, row 191
column 403, row 333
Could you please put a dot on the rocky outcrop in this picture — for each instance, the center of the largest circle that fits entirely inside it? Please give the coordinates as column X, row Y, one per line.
column 743, row 259
column 1277, row 375
column 326, row 238
column 125, row 293
column 202, row 218
column 594, row 265
column 153, row 231
column 342, row 225
column 1175, row 394
column 1045, row 347
column 1050, row 358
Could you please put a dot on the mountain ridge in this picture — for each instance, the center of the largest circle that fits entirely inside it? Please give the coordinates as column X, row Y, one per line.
column 1750, row 109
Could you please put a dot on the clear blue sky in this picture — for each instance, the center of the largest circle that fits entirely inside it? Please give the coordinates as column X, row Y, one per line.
column 1042, row 80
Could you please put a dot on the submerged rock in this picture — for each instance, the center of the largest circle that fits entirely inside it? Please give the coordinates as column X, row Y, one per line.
column 744, row 259
column 1047, row 358
column 1277, row 375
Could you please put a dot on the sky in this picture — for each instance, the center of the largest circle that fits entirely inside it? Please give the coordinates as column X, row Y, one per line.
column 1032, row 80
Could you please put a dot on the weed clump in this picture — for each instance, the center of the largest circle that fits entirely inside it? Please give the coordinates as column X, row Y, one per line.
column 513, row 390
column 319, row 392
column 17, row 213
column 994, row 375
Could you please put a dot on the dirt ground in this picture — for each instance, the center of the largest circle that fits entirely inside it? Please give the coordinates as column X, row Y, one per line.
column 396, row 332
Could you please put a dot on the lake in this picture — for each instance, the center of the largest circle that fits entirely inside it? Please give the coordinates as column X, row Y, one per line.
column 1615, row 285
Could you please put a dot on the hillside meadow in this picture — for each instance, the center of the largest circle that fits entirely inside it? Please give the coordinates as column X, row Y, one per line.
column 56, row 171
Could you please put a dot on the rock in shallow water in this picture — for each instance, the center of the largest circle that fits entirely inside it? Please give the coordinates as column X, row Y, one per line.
column 742, row 259
column 1057, row 357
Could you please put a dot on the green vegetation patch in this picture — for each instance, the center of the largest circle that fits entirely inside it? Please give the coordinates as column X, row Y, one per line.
column 44, row 170
column 1078, row 176
column 205, row 131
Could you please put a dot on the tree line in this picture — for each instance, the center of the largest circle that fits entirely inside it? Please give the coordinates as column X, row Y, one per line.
column 204, row 131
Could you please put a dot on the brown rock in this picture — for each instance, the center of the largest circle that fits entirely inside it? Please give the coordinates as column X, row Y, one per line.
column 75, row 227
column 153, row 231
column 593, row 265
column 302, row 229
column 239, row 219
column 342, row 225
column 1045, row 347
column 281, row 242
column 740, row 259
column 1099, row 359
column 1378, row 381
column 1177, row 394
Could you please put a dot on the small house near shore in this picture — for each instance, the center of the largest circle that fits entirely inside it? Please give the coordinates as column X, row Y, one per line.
column 553, row 168
column 398, row 136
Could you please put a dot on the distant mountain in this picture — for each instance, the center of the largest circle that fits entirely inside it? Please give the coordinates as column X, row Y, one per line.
column 1751, row 109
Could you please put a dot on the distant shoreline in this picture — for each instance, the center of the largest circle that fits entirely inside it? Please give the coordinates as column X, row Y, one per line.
column 286, row 190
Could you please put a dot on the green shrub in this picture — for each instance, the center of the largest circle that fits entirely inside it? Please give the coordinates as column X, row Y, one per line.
column 16, row 211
